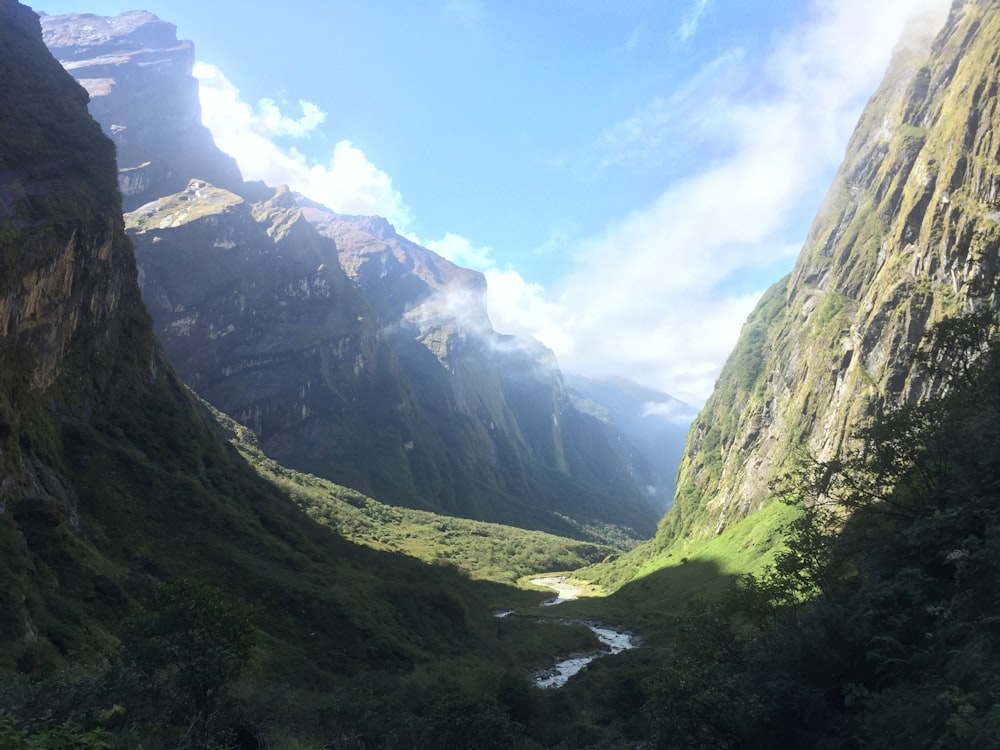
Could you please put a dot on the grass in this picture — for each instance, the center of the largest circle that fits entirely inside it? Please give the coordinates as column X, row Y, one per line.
column 478, row 549
column 647, row 587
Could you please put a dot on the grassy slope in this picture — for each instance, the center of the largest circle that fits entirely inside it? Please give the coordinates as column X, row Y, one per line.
column 480, row 550
column 648, row 586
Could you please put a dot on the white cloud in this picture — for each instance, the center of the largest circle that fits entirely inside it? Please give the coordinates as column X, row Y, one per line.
column 348, row 183
column 689, row 26
column 660, row 296
column 672, row 411
column 460, row 251
column 675, row 125
column 271, row 122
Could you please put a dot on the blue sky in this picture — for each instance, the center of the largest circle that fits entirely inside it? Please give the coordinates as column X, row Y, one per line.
column 629, row 174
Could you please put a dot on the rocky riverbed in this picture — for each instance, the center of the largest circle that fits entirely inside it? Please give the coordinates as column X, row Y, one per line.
column 614, row 641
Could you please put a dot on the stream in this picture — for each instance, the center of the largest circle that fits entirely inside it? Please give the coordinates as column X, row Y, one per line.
column 614, row 640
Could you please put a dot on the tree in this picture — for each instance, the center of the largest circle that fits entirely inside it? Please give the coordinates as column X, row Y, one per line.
column 184, row 648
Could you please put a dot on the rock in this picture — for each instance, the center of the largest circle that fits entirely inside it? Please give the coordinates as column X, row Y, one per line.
column 903, row 240
column 138, row 75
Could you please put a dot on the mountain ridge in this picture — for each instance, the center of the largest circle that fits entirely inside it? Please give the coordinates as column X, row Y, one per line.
column 907, row 236
column 355, row 353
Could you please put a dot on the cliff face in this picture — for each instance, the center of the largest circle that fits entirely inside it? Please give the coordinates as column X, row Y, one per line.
column 387, row 378
column 375, row 381
column 909, row 234
column 489, row 396
column 111, row 478
column 72, row 325
column 138, row 75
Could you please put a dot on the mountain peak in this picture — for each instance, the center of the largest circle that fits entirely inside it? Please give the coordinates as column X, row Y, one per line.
column 142, row 91
column 84, row 36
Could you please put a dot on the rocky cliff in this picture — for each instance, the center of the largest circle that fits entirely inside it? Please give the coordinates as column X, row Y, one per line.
column 481, row 389
column 387, row 378
column 114, row 480
column 72, row 325
column 909, row 234
column 138, row 75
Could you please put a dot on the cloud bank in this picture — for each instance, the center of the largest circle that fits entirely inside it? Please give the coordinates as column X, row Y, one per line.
column 660, row 295
column 347, row 183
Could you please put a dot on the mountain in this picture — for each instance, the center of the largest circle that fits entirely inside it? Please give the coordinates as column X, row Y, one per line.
column 114, row 478
column 353, row 353
column 909, row 235
column 655, row 423
column 138, row 75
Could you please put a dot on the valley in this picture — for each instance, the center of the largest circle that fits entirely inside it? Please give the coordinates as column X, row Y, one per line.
column 270, row 478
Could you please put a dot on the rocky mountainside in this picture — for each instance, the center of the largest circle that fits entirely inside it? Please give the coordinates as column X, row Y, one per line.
column 138, row 75
column 114, row 481
column 111, row 477
column 655, row 423
column 73, row 332
column 479, row 387
column 353, row 353
column 909, row 234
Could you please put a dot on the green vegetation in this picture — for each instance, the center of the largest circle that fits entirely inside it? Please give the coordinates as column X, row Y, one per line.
column 480, row 550
column 737, row 393
column 696, row 566
column 161, row 587
column 878, row 632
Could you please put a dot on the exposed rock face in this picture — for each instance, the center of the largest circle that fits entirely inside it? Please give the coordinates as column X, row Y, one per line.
column 142, row 92
column 908, row 235
column 71, row 318
column 260, row 318
column 111, row 479
column 399, row 391
column 389, row 378
column 488, row 396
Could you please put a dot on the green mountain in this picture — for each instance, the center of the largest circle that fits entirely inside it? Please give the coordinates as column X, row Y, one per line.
column 907, row 236
column 351, row 352
column 145, row 563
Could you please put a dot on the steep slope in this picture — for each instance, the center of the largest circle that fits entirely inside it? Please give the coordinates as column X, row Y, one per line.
column 138, row 75
column 487, row 395
column 909, row 234
column 388, row 379
column 75, row 338
column 654, row 424
column 112, row 478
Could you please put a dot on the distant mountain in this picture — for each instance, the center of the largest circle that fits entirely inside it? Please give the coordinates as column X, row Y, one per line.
column 113, row 479
column 654, row 424
column 909, row 235
column 353, row 353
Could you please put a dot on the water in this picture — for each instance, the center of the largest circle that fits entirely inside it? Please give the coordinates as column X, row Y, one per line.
column 616, row 642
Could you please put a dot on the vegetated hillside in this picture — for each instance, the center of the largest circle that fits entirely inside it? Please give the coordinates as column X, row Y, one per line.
column 484, row 551
column 881, row 633
column 654, row 423
column 136, row 546
column 390, row 379
column 909, row 235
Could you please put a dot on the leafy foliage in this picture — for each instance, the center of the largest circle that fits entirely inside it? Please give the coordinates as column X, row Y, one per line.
column 877, row 628
column 187, row 645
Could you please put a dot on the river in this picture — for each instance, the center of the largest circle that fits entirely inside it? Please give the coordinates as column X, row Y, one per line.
column 615, row 641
